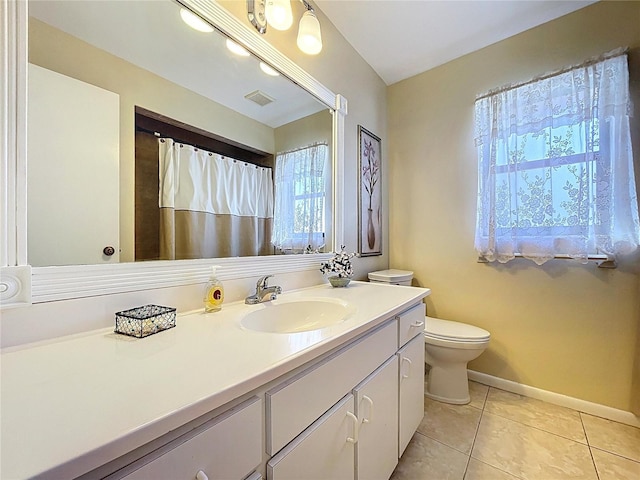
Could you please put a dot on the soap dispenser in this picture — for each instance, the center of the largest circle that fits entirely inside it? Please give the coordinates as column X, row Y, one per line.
column 213, row 293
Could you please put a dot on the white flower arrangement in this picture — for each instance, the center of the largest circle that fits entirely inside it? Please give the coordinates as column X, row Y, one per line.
column 339, row 264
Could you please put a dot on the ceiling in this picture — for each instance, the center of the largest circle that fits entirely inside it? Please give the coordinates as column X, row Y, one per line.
column 151, row 35
column 402, row 38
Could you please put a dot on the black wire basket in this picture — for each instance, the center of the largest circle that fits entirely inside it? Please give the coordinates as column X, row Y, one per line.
column 144, row 321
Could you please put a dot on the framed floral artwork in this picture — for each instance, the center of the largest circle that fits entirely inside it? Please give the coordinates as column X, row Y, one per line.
column 369, row 194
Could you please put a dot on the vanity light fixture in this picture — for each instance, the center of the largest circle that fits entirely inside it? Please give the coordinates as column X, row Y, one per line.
column 278, row 14
column 195, row 21
column 237, row 49
column 268, row 70
column 309, row 36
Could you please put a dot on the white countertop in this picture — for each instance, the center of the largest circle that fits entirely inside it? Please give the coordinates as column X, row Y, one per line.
column 75, row 403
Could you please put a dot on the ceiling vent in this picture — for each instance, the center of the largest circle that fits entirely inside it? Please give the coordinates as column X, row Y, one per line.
column 259, row 97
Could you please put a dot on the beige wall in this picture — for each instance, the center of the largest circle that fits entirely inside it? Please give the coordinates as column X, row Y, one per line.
column 341, row 69
column 562, row 327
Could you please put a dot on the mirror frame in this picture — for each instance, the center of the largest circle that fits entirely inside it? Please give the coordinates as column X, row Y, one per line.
column 22, row 285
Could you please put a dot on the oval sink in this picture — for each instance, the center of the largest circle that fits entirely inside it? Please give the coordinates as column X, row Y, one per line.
column 296, row 315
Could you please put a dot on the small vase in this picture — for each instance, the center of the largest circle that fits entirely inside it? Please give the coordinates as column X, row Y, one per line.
column 339, row 281
column 371, row 233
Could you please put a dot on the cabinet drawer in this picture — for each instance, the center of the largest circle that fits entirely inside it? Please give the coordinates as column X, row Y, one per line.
column 294, row 405
column 410, row 324
column 226, row 447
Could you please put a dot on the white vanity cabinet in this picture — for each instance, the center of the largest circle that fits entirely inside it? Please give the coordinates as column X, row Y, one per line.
column 377, row 411
column 363, row 434
column 297, row 402
column 227, row 447
column 338, row 403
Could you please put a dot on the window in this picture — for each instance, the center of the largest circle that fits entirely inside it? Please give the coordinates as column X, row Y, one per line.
column 555, row 166
column 299, row 215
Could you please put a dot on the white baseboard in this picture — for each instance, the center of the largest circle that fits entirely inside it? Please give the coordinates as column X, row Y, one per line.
column 591, row 408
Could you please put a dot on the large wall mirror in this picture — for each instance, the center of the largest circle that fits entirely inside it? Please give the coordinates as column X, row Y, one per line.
column 99, row 74
column 115, row 84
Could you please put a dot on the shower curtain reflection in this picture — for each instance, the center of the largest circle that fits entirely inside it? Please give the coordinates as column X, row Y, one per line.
column 212, row 206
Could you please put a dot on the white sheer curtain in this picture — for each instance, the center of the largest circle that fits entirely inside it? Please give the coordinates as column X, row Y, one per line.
column 555, row 166
column 299, row 212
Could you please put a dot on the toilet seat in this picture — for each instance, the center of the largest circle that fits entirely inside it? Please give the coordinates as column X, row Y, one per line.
column 448, row 330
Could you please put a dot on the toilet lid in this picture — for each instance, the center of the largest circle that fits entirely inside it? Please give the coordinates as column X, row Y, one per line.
column 448, row 330
column 391, row 276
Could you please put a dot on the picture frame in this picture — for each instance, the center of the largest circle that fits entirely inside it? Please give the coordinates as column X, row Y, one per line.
column 369, row 193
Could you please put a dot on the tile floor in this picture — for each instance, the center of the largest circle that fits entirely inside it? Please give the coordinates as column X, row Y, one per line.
column 504, row 436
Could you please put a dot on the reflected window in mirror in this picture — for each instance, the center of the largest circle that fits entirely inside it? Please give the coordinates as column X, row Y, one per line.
column 300, row 200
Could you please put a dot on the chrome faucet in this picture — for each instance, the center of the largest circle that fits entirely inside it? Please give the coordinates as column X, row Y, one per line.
column 263, row 292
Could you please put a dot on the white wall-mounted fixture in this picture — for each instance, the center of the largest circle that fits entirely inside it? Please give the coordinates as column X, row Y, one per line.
column 237, row 49
column 268, row 70
column 309, row 36
column 195, row 21
column 278, row 14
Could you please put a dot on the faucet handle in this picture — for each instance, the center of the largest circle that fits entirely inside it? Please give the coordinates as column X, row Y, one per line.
column 262, row 282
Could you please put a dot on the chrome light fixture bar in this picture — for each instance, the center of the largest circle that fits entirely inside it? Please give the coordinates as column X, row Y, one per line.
column 278, row 14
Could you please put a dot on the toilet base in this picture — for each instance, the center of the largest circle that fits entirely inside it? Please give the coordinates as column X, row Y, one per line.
column 462, row 401
column 449, row 385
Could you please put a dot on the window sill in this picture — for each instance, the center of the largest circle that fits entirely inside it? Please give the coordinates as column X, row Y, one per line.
column 602, row 260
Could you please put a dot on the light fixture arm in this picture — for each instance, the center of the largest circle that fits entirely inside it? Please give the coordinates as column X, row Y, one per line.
column 256, row 14
column 307, row 5
column 309, row 38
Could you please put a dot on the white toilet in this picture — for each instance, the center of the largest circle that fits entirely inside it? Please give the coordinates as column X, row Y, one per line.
column 449, row 346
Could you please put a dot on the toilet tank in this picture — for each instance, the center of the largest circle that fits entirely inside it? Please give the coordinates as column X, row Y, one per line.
column 392, row 277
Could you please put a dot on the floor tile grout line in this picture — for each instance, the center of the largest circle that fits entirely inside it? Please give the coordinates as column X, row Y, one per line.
column 537, row 428
column 584, row 429
column 473, row 442
column 593, row 460
column 619, row 455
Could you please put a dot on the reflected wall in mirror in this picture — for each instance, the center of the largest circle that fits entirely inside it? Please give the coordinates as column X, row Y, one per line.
column 96, row 62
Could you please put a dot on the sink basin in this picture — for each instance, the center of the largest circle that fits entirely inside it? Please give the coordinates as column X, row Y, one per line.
column 296, row 315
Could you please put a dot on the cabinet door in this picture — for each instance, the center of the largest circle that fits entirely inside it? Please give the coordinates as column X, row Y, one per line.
column 323, row 451
column 226, row 447
column 377, row 412
column 411, row 381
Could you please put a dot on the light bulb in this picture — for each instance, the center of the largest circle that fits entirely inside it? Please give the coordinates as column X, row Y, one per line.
column 309, row 36
column 195, row 21
column 268, row 70
column 237, row 49
column 279, row 14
